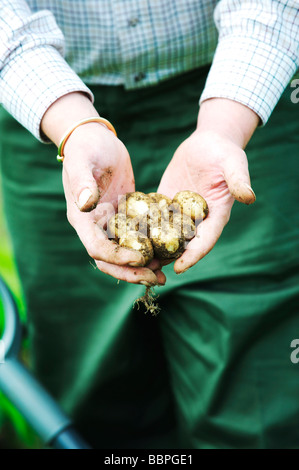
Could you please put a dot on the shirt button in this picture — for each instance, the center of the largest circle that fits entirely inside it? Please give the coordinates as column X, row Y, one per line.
column 140, row 76
column 132, row 22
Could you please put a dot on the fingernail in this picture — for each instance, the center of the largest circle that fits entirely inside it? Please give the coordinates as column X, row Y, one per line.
column 145, row 283
column 251, row 190
column 136, row 264
column 181, row 272
column 149, row 284
column 84, row 197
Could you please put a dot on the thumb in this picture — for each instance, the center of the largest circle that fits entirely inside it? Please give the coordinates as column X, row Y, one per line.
column 82, row 185
column 237, row 178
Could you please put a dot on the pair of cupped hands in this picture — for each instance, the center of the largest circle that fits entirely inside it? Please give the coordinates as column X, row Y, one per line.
column 97, row 170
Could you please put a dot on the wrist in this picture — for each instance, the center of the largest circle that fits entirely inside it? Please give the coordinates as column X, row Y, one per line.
column 83, row 122
column 228, row 119
column 64, row 113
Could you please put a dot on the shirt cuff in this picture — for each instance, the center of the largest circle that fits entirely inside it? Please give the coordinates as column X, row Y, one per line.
column 249, row 71
column 34, row 79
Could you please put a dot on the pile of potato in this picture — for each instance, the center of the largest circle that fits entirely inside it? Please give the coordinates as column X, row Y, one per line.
column 155, row 225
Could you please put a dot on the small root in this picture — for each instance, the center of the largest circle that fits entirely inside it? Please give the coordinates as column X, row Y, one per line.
column 93, row 265
column 148, row 300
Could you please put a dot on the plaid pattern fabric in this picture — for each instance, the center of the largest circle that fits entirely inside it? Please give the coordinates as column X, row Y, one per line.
column 257, row 52
column 138, row 43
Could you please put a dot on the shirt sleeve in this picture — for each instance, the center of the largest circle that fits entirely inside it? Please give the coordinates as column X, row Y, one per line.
column 257, row 52
column 33, row 72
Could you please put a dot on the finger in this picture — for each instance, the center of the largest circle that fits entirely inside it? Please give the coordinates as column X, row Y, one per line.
column 154, row 264
column 237, row 178
column 132, row 275
column 161, row 277
column 93, row 237
column 81, row 182
column 99, row 247
column 206, row 237
column 97, row 244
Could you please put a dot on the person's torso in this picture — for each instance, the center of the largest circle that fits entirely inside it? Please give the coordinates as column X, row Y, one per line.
column 134, row 42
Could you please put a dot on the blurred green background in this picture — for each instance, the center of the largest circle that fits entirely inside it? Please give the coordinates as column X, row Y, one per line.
column 14, row 431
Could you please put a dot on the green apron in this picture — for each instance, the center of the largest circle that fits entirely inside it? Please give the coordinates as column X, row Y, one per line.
column 213, row 370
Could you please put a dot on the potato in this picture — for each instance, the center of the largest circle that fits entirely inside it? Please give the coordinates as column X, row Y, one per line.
column 155, row 225
column 159, row 204
column 192, row 204
column 138, row 242
column 119, row 225
column 168, row 242
column 153, row 218
column 184, row 224
column 181, row 222
column 161, row 200
column 134, row 204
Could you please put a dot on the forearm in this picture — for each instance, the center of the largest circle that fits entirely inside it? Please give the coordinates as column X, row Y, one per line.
column 33, row 72
column 257, row 53
column 229, row 119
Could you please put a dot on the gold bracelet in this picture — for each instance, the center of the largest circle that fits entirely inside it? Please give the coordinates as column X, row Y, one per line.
column 60, row 156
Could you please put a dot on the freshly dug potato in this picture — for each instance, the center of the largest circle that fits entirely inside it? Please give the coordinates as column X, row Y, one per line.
column 161, row 200
column 159, row 204
column 134, row 204
column 192, row 204
column 155, row 225
column 153, row 218
column 168, row 242
column 119, row 225
column 184, row 224
column 136, row 241
column 173, row 215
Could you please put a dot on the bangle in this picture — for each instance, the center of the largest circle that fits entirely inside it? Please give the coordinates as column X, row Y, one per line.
column 60, row 156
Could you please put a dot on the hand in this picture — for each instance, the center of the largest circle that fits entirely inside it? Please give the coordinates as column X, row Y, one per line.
column 212, row 163
column 96, row 171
